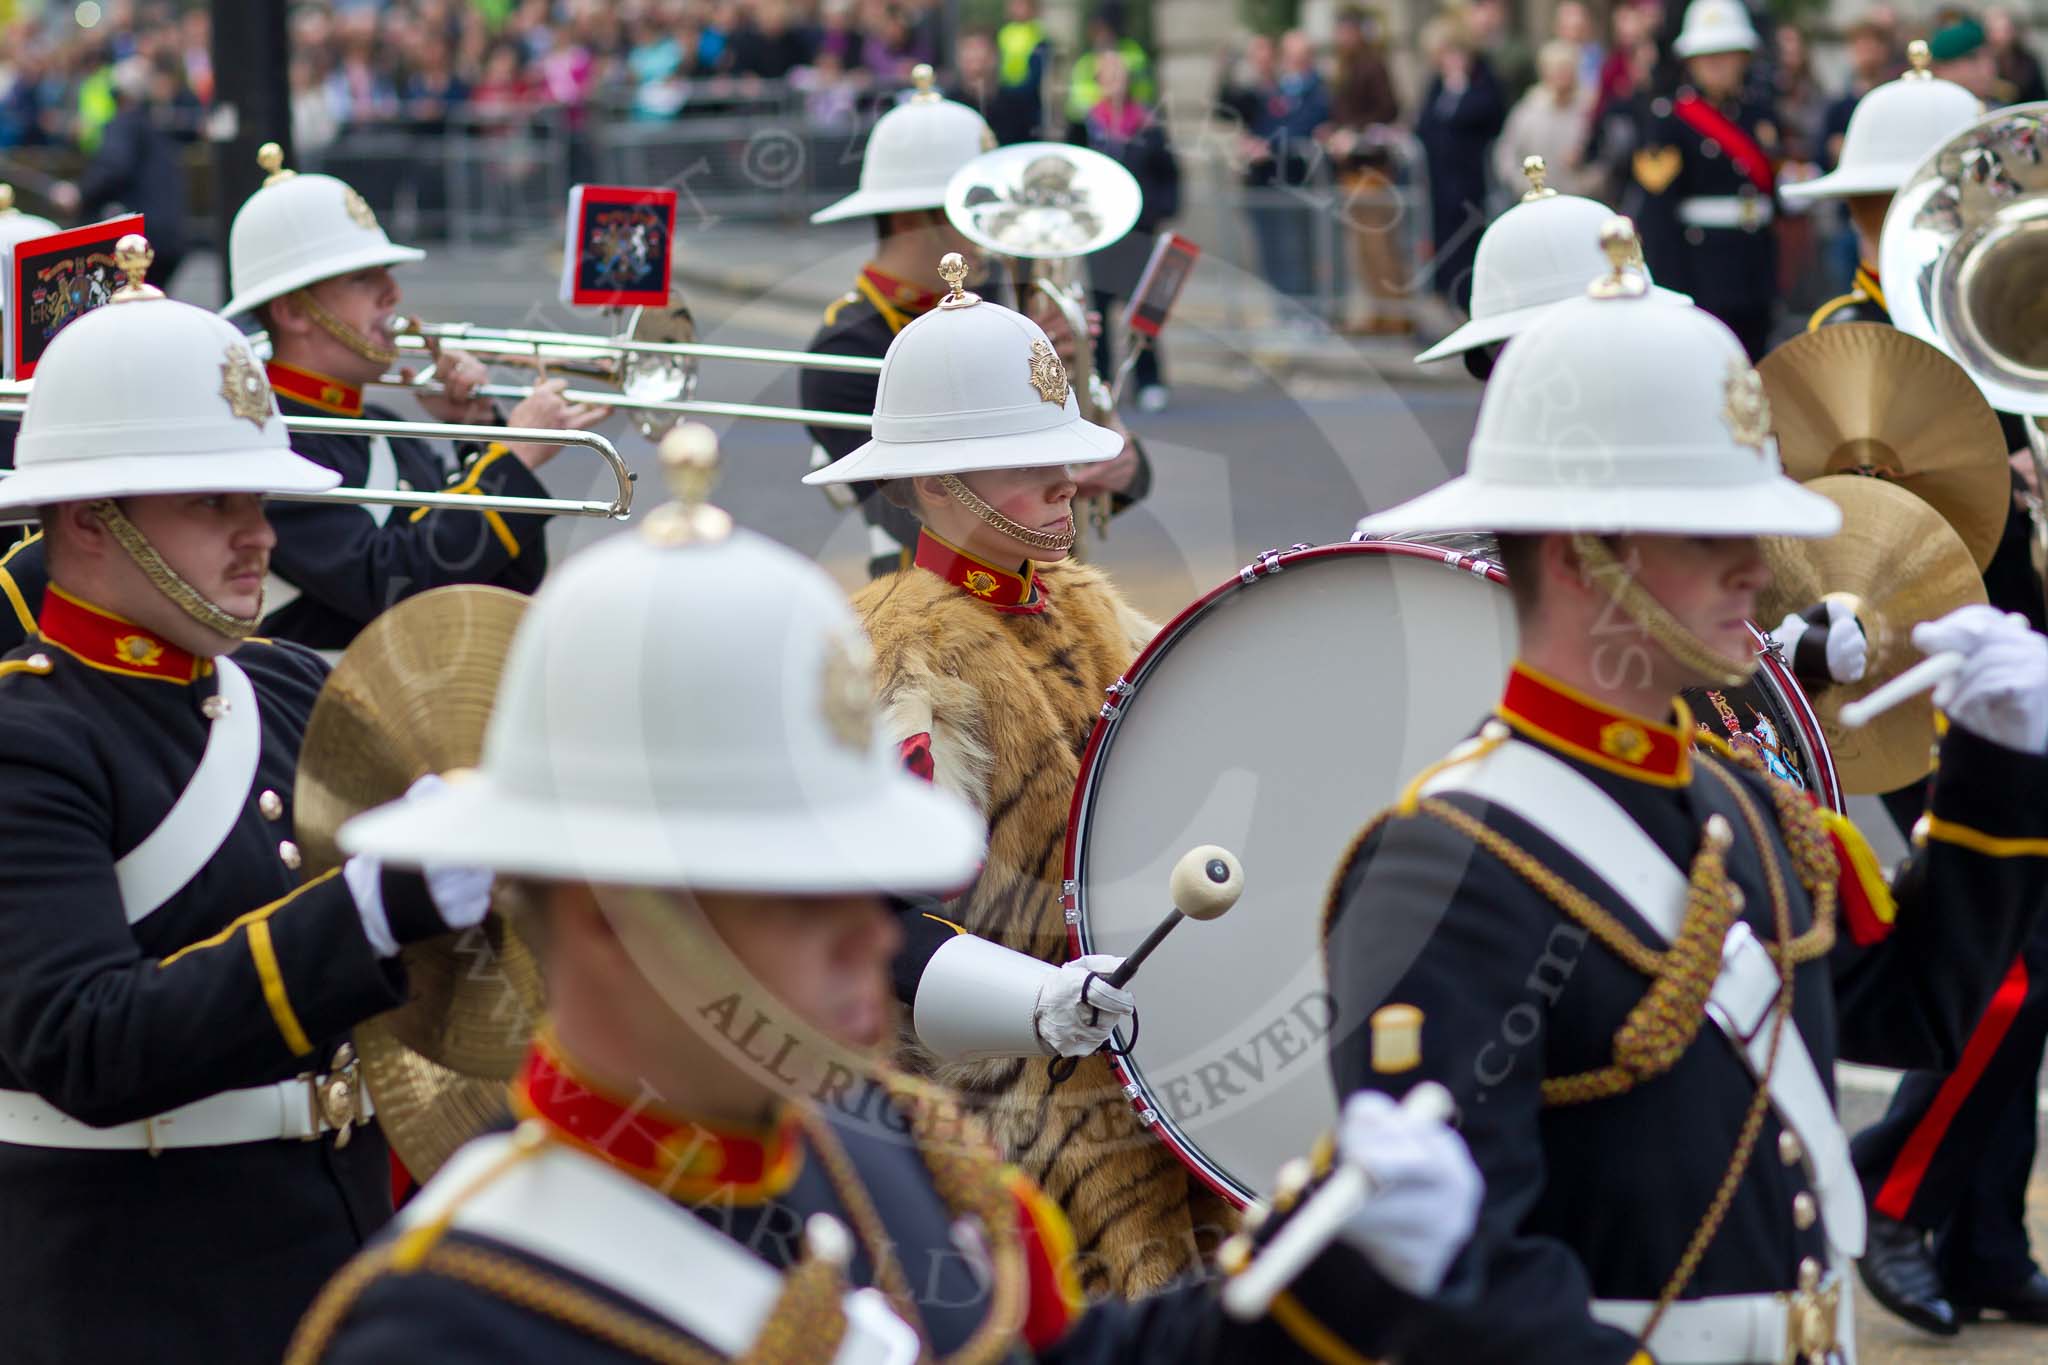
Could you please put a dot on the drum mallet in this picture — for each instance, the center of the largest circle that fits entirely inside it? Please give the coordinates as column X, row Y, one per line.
column 1204, row 884
column 1248, row 1294
column 1927, row 673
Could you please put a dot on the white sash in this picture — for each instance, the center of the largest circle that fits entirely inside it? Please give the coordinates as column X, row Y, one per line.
column 566, row 1208
column 1574, row 813
column 206, row 811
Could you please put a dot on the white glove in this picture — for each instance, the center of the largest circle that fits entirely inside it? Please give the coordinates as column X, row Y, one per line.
column 2001, row 691
column 461, row 895
column 1068, row 1028
column 1425, row 1191
column 1848, row 652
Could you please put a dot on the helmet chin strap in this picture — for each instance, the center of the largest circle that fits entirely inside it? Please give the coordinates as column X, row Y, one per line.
column 348, row 336
column 1037, row 540
column 1638, row 603
column 168, row 580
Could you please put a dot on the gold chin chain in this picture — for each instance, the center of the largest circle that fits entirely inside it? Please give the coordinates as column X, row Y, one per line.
column 343, row 333
column 1037, row 540
column 1645, row 610
column 168, row 580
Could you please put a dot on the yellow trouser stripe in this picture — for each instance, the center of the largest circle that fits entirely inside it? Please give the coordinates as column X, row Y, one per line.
column 1990, row 845
column 273, row 989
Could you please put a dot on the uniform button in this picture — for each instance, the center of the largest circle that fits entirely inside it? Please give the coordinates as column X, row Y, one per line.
column 271, row 804
column 1805, row 1213
column 1735, row 900
column 1789, row 1150
column 288, row 854
column 214, row 707
column 405, row 485
column 1809, row 1274
column 1710, row 148
column 1693, row 236
column 39, row 663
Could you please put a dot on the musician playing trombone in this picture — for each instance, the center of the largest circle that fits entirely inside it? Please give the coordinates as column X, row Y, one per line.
column 183, row 1156
column 307, row 257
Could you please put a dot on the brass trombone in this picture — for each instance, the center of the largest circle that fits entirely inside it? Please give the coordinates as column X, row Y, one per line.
column 651, row 358
column 617, row 509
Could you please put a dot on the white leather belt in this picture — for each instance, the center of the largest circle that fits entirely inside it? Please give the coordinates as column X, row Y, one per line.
column 1733, row 1329
column 1726, row 211
column 296, row 1110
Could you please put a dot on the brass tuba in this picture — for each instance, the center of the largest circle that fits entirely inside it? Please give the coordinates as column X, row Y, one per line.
column 1048, row 204
column 1964, row 260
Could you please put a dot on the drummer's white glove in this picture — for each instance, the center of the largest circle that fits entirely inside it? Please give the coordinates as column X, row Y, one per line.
column 1848, row 653
column 2001, row 691
column 1067, row 1026
column 1425, row 1191
column 461, row 895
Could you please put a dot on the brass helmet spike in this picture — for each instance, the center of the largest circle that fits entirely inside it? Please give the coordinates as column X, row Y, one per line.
column 134, row 255
column 1534, row 168
column 1921, row 60
column 953, row 270
column 7, row 199
column 1624, row 255
column 270, row 157
column 922, row 78
column 689, row 461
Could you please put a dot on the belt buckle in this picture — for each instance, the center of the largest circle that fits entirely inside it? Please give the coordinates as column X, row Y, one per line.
column 1810, row 1321
column 335, row 1100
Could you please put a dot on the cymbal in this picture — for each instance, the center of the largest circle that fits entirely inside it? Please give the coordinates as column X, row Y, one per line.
column 425, row 1109
column 1898, row 563
column 412, row 696
column 1865, row 397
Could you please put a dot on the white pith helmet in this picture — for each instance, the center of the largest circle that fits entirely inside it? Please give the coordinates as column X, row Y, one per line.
column 725, row 739
column 298, row 230
column 147, row 395
column 1715, row 26
column 1893, row 129
column 912, row 152
column 1538, row 254
column 1617, row 413
column 971, row 385
column 16, row 226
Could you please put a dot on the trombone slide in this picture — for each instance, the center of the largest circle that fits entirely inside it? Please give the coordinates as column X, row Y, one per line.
column 702, row 407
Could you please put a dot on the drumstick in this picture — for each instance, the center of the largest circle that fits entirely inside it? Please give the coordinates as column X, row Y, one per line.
column 1204, row 884
column 1301, row 1239
column 1911, row 683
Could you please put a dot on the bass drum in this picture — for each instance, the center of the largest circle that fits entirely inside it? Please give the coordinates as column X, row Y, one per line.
column 1275, row 716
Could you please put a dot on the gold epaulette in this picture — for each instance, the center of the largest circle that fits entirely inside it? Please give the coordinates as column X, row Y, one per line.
column 834, row 308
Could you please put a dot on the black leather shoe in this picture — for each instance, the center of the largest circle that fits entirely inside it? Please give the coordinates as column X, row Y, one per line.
column 2025, row 1302
column 1900, row 1274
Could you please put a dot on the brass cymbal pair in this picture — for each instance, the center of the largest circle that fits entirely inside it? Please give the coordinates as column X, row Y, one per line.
column 1898, row 436
column 412, row 696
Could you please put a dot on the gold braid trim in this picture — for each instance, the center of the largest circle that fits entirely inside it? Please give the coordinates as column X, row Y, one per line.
column 348, row 336
column 967, row 1174
column 1760, row 1102
column 1642, row 607
column 1806, row 840
column 808, row 1322
column 168, row 580
column 1015, row 530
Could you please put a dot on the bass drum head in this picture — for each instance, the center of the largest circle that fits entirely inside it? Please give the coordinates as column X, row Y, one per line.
column 1274, row 717
column 1771, row 716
